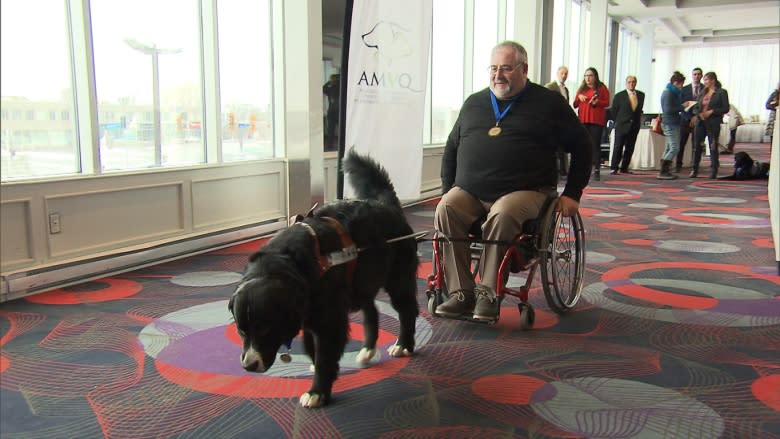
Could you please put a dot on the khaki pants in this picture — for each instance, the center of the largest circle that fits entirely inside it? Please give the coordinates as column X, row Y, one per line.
column 455, row 214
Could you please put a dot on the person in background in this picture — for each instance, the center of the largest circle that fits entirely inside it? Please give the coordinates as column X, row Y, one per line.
column 560, row 86
column 771, row 105
column 332, row 89
column 671, row 107
column 627, row 111
column 499, row 164
column 687, row 122
column 735, row 120
column 591, row 102
column 712, row 105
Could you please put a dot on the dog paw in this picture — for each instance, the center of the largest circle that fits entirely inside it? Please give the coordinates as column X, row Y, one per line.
column 365, row 355
column 312, row 400
column 398, row 351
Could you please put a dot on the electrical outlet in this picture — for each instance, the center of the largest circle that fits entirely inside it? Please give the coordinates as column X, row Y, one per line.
column 54, row 223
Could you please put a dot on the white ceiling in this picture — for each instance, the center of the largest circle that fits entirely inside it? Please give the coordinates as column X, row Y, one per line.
column 675, row 22
column 696, row 22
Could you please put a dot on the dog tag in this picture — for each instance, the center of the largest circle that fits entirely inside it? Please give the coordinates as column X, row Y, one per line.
column 285, row 356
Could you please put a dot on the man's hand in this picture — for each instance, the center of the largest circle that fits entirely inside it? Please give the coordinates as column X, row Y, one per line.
column 567, row 206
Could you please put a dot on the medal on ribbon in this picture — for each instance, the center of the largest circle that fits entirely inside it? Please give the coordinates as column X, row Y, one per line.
column 496, row 130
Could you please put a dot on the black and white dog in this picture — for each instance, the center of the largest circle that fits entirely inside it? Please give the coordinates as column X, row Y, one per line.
column 745, row 168
column 312, row 274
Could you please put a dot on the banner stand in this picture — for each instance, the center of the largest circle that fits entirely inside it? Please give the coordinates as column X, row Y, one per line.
column 343, row 75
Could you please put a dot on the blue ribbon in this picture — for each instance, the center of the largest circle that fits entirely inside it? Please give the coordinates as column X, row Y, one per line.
column 500, row 114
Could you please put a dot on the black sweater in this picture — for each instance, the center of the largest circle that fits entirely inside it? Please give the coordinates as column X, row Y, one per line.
column 523, row 156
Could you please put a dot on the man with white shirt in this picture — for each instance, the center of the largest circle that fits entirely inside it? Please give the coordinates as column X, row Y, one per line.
column 560, row 86
column 690, row 92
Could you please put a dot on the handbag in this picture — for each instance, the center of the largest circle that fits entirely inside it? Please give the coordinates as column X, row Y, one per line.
column 655, row 125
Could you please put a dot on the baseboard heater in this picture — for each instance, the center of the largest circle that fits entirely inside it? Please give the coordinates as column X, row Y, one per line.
column 24, row 283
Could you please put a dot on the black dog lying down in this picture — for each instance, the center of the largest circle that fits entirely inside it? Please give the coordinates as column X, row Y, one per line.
column 291, row 283
column 745, row 168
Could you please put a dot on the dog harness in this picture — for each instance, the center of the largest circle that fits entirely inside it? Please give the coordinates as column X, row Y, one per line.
column 347, row 255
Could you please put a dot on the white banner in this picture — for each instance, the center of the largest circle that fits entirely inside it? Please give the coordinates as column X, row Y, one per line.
column 386, row 79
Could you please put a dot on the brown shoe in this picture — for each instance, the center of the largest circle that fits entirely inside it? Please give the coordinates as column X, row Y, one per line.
column 487, row 306
column 460, row 303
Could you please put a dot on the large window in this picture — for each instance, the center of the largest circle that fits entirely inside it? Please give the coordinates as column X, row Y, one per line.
column 245, row 79
column 446, row 66
column 559, row 52
column 147, row 70
column 144, row 106
column 485, row 38
column 37, row 130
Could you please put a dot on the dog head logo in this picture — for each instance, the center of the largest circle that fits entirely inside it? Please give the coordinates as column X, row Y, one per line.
column 389, row 40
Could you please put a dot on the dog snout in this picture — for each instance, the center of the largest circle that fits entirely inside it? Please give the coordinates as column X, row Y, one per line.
column 251, row 361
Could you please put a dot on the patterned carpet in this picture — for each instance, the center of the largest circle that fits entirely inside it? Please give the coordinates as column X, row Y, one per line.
column 677, row 335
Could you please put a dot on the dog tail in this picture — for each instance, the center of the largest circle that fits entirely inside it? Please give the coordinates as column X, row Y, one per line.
column 369, row 179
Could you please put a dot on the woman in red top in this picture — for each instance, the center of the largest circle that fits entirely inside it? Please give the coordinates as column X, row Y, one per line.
column 591, row 102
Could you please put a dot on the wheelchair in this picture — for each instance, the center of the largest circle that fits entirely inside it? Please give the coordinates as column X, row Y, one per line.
column 551, row 243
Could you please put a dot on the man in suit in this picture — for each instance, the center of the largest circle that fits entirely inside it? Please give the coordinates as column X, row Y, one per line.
column 690, row 92
column 560, row 86
column 627, row 111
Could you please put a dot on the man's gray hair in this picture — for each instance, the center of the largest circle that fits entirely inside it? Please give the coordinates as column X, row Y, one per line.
column 521, row 56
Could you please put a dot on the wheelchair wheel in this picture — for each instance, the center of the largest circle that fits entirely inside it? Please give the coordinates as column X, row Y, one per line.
column 435, row 298
column 562, row 259
column 527, row 316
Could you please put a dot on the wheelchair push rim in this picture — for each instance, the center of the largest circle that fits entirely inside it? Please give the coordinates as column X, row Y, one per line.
column 562, row 259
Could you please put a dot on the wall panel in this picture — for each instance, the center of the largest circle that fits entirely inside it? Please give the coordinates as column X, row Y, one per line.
column 15, row 231
column 227, row 201
column 97, row 221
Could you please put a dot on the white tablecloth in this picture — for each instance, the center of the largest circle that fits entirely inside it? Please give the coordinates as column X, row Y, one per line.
column 648, row 150
column 747, row 133
column 751, row 132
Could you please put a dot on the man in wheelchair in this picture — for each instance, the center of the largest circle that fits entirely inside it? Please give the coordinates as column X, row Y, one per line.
column 500, row 164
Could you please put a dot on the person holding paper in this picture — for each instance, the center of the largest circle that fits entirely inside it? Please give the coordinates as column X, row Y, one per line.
column 771, row 105
column 690, row 92
column 671, row 107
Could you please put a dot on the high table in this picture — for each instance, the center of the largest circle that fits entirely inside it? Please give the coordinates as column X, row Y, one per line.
column 650, row 146
column 750, row 133
column 648, row 150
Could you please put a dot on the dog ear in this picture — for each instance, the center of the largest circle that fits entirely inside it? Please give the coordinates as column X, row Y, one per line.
column 255, row 256
column 295, row 219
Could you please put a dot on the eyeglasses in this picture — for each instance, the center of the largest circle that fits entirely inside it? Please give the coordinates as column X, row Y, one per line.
column 503, row 68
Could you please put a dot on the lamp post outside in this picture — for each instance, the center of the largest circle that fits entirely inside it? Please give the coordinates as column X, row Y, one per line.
column 154, row 51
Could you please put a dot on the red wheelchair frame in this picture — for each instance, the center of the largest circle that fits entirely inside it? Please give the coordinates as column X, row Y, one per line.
column 551, row 242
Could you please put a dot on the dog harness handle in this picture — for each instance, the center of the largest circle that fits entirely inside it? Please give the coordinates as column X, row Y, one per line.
column 346, row 255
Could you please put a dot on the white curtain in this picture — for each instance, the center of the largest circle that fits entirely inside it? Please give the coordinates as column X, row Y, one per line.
column 748, row 72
